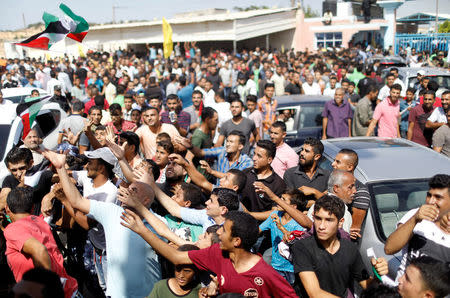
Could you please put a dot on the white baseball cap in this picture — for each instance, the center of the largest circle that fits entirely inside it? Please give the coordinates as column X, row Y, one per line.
column 102, row 153
column 421, row 72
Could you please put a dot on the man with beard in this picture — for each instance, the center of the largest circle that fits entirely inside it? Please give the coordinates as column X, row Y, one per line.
column 439, row 118
column 245, row 126
column 175, row 174
column 94, row 117
column 386, row 115
column 285, row 157
column 417, row 132
column 307, row 176
column 151, row 128
column 180, row 119
column 194, row 110
column 96, row 184
column 33, row 142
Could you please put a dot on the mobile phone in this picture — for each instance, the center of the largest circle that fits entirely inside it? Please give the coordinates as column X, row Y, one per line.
column 172, row 116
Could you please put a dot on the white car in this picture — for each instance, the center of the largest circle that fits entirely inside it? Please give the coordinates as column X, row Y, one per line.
column 47, row 122
column 18, row 95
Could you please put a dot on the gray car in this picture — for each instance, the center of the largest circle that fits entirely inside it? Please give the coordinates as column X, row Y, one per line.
column 396, row 172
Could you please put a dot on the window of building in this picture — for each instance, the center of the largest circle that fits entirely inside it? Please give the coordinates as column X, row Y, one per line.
column 329, row 39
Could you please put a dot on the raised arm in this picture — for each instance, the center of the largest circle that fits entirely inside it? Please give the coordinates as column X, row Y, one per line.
column 128, row 197
column 132, row 221
column 296, row 214
column 196, row 177
column 70, row 190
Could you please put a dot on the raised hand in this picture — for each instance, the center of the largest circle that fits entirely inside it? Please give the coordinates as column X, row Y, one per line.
column 47, row 204
column 380, row 265
column 118, row 151
column 110, row 134
column 58, row 160
column 132, row 221
column 185, row 142
column 276, row 219
column 128, row 197
column 205, row 165
column 144, row 176
column 444, row 222
column 71, row 137
column 177, row 158
column 261, row 187
column 88, row 126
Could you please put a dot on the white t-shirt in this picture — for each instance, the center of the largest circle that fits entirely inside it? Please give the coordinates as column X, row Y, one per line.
column 7, row 111
column 313, row 89
column 428, row 239
column 105, row 193
column 384, row 92
column 329, row 92
column 438, row 116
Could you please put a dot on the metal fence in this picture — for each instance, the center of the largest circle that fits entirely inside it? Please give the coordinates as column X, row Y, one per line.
column 422, row 42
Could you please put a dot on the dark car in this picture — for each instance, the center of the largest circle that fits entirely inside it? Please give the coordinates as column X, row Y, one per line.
column 386, row 61
column 306, row 116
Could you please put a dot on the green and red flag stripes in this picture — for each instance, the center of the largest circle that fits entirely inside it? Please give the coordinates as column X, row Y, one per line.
column 78, row 26
column 28, row 112
column 54, row 32
column 56, row 29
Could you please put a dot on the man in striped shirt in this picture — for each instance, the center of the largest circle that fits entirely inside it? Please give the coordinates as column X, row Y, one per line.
column 228, row 157
column 347, row 160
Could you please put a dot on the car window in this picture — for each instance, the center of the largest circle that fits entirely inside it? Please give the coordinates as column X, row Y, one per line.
column 47, row 122
column 392, row 200
column 325, row 164
column 310, row 116
column 288, row 115
column 16, row 99
column 442, row 81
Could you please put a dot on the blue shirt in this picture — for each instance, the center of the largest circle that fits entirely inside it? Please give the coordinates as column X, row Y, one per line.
column 223, row 165
column 185, row 94
column 278, row 262
column 197, row 217
column 133, row 266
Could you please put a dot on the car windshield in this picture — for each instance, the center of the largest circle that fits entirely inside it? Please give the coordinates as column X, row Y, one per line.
column 4, row 133
column 16, row 99
column 393, row 199
column 310, row 116
column 443, row 81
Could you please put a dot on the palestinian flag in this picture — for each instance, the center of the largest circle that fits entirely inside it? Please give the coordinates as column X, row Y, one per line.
column 78, row 27
column 28, row 112
column 54, row 31
column 71, row 25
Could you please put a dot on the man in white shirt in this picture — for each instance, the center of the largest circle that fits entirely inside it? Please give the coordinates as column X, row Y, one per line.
column 310, row 87
column 7, row 109
column 329, row 91
column 52, row 83
column 63, row 77
column 394, row 71
column 439, row 117
column 109, row 90
column 279, row 81
column 225, row 76
column 386, row 89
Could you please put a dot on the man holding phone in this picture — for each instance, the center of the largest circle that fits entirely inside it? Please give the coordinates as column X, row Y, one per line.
column 175, row 115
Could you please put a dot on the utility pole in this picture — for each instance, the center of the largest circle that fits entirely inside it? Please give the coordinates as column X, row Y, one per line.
column 437, row 18
column 24, row 23
column 114, row 7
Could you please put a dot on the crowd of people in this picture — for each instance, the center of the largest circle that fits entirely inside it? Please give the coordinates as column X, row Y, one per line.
column 172, row 177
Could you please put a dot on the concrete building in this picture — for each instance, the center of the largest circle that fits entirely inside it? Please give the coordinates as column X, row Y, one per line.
column 277, row 28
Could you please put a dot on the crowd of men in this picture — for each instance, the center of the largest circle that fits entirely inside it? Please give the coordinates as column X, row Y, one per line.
column 173, row 178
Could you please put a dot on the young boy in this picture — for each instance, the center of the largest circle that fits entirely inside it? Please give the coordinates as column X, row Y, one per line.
column 280, row 223
column 127, row 107
column 186, row 282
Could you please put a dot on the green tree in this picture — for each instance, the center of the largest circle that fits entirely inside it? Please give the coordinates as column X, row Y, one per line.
column 444, row 27
column 310, row 13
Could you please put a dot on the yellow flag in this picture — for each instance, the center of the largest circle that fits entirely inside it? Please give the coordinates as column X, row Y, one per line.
column 80, row 51
column 167, row 33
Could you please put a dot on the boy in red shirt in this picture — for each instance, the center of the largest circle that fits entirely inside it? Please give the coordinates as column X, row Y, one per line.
column 30, row 242
column 237, row 269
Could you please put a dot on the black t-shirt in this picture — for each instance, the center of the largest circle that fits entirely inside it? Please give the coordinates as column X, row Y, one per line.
column 295, row 177
column 335, row 273
column 153, row 92
column 363, row 86
column 81, row 73
column 293, row 89
column 216, row 80
column 39, row 191
column 258, row 202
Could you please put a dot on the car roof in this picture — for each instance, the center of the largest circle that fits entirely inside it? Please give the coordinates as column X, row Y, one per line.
column 389, row 159
column 20, row 91
column 429, row 71
column 285, row 100
column 387, row 59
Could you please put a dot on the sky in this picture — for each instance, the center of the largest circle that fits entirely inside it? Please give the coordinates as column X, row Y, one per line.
column 100, row 11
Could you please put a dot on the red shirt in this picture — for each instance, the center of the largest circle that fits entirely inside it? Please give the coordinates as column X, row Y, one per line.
column 260, row 281
column 17, row 233
column 421, row 135
column 91, row 103
column 126, row 126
